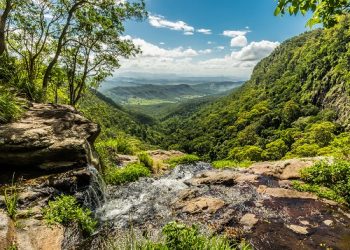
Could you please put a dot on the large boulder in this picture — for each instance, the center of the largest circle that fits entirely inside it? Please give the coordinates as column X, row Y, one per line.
column 48, row 137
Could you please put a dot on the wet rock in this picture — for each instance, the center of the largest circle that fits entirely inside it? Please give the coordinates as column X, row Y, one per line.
column 248, row 220
column 224, row 177
column 48, row 137
column 298, row 229
column 201, row 205
column 328, row 223
column 285, row 193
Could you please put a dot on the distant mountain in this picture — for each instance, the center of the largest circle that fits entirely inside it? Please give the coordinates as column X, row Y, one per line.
column 149, row 94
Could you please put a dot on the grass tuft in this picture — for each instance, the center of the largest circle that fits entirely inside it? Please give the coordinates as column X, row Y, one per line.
column 184, row 159
column 129, row 173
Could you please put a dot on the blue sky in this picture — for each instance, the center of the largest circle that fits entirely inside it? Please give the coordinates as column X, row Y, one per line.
column 207, row 37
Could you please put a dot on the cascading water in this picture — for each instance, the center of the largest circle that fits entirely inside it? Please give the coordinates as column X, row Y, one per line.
column 147, row 199
column 94, row 196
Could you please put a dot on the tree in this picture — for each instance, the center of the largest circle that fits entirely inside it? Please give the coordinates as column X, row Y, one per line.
column 325, row 12
column 5, row 9
column 104, row 14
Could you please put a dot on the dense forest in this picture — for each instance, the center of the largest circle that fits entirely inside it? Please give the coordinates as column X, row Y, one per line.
column 295, row 105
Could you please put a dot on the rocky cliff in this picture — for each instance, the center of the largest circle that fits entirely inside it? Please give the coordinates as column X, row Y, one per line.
column 48, row 152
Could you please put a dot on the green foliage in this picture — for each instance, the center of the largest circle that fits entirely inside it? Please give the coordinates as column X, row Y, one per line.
column 10, row 107
column 231, row 164
column 325, row 12
column 65, row 210
column 176, row 236
column 246, row 153
column 329, row 180
column 129, row 173
column 285, row 110
column 145, row 160
column 184, row 159
column 275, row 150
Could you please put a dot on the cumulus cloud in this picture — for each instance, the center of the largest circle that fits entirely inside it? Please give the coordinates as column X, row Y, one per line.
column 255, row 51
column 187, row 61
column 151, row 50
column 204, row 31
column 205, row 51
column 239, row 41
column 161, row 22
column 234, row 33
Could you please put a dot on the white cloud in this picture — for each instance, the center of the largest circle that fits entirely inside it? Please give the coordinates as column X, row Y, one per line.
column 188, row 62
column 220, row 47
column 210, row 42
column 151, row 50
column 162, row 43
column 239, row 41
column 255, row 51
column 205, row 51
column 188, row 33
column 204, row 31
column 234, row 33
column 161, row 22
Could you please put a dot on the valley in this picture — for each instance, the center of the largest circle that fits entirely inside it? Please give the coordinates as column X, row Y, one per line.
column 162, row 97
column 126, row 128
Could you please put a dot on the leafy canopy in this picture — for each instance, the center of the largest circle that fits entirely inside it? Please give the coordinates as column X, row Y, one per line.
column 324, row 11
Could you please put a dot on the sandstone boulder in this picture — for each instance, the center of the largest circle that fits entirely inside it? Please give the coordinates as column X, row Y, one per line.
column 48, row 137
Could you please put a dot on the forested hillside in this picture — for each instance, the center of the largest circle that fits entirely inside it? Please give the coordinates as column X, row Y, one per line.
column 295, row 104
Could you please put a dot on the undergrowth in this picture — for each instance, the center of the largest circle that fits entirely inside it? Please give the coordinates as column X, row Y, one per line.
column 184, row 159
column 231, row 164
column 327, row 180
column 129, row 173
column 65, row 210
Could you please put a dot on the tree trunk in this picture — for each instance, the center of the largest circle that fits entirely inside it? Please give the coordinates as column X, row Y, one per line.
column 3, row 21
column 60, row 44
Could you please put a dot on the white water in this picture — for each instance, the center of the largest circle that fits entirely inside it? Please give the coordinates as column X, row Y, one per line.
column 148, row 199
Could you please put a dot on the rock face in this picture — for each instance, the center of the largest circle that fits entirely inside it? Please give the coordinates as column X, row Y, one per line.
column 47, row 137
column 31, row 235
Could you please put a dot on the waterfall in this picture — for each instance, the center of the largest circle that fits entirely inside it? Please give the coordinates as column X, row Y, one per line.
column 95, row 195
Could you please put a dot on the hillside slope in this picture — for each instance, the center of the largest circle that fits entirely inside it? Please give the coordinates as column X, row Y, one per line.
column 295, row 104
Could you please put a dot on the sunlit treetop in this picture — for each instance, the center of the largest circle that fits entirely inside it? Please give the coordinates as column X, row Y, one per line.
column 325, row 12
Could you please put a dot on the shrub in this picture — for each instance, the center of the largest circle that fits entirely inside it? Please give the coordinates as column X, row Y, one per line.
column 231, row 164
column 252, row 153
column 184, row 159
column 305, row 150
column 146, row 160
column 10, row 108
column 330, row 180
column 65, row 210
column 129, row 173
column 275, row 150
